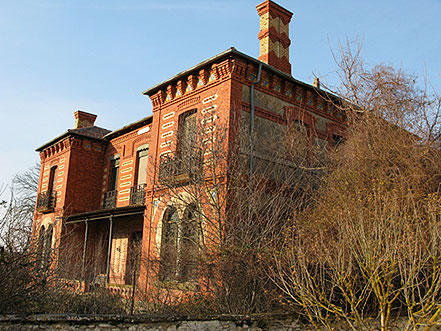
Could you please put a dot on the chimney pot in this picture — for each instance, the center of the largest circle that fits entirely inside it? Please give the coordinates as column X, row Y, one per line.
column 84, row 120
column 316, row 83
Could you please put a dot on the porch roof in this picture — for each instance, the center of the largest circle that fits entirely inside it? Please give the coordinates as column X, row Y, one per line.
column 105, row 214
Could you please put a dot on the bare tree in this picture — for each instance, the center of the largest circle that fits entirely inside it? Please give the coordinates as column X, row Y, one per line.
column 239, row 212
column 20, row 280
column 16, row 223
column 369, row 247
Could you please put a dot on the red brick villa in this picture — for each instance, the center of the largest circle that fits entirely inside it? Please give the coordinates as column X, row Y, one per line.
column 98, row 195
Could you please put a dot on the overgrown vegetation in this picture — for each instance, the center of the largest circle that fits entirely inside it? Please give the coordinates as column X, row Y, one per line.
column 28, row 283
column 370, row 244
column 348, row 233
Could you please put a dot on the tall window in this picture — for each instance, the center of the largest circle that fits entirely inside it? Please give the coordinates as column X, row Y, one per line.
column 114, row 169
column 52, row 180
column 141, row 172
column 169, row 244
column 188, row 245
column 109, row 197
column 44, row 248
column 187, row 133
column 179, row 245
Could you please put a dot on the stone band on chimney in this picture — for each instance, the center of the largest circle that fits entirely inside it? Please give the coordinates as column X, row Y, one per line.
column 274, row 35
column 84, row 120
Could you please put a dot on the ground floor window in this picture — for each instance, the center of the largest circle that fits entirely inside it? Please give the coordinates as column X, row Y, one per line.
column 44, row 247
column 179, row 244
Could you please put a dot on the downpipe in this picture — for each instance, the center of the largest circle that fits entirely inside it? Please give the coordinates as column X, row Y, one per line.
column 252, row 125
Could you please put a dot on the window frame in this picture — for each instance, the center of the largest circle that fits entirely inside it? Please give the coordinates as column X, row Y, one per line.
column 140, row 150
column 52, row 180
column 178, row 255
column 181, row 134
column 114, row 174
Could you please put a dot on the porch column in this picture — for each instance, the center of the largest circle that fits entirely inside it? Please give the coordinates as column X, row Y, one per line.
column 86, row 234
column 109, row 248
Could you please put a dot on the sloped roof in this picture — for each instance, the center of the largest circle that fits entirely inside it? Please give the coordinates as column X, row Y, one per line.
column 228, row 52
column 98, row 133
column 94, row 132
column 129, row 127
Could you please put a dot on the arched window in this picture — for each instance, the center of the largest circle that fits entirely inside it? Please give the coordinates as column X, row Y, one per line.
column 169, row 244
column 179, row 245
column 46, row 245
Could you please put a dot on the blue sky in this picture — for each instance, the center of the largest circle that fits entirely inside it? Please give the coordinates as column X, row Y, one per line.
column 58, row 56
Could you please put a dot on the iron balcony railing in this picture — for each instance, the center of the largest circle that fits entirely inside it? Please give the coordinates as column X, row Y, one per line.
column 175, row 168
column 110, row 199
column 137, row 194
column 46, row 202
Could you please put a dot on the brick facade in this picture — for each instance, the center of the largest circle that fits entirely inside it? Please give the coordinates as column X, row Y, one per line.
column 106, row 220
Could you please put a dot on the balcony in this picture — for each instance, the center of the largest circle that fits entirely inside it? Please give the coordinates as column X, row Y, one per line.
column 179, row 169
column 46, row 202
column 137, row 194
column 110, row 199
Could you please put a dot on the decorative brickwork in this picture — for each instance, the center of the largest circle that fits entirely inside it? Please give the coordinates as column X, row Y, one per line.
column 274, row 35
column 107, row 189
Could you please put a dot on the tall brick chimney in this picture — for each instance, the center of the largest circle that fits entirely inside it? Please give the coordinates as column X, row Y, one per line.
column 274, row 35
column 84, row 120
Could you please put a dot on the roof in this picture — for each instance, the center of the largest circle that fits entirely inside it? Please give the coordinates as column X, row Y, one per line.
column 106, row 213
column 97, row 133
column 105, row 135
column 228, row 52
column 93, row 132
column 129, row 127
